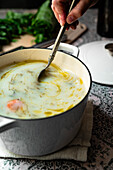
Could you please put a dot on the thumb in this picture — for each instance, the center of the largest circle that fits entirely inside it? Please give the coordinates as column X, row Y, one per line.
column 77, row 11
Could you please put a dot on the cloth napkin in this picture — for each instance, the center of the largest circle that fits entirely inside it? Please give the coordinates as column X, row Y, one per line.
column 76, row 150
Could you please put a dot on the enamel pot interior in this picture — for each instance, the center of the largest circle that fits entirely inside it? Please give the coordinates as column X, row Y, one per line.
column 42, row 136
column 64, row 61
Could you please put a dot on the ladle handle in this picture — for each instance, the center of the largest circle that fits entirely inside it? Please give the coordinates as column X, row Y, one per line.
column 58, row 39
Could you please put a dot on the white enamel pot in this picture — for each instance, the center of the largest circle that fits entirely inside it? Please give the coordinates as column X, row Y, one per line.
column 37, row 137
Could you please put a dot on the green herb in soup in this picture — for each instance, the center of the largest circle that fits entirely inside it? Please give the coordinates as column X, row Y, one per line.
column 21, row 96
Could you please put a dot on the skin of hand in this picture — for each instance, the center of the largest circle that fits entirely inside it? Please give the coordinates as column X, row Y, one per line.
column 60, row 8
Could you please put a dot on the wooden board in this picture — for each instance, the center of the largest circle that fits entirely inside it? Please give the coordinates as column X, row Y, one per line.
column 28, row 40
column 72, row 35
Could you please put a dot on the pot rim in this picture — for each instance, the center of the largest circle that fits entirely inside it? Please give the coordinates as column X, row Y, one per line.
column 60, row 114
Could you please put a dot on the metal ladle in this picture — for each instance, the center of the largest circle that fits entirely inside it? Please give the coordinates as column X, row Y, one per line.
column 55, row 47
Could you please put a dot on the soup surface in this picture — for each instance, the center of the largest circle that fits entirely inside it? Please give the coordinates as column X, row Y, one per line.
column 23, row 97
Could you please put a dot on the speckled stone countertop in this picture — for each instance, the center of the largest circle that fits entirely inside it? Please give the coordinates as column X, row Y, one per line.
column 100, row 154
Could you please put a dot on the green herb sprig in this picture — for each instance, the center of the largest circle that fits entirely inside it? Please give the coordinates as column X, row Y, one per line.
column 41, row 25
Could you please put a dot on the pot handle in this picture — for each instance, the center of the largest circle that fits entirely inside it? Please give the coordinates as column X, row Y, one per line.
column 6, row 124
column 69, row 49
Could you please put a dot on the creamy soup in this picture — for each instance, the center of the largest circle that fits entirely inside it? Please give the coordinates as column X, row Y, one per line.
column 23, row 97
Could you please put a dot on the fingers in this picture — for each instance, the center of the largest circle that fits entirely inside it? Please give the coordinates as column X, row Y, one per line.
column 59, row 8
column 55, row 13
column 78, row 11
column 74, row 25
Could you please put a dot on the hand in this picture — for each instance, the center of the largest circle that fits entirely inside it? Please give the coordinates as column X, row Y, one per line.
column 60, row 7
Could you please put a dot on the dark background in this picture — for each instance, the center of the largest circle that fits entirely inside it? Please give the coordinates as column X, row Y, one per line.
column 28, row 4
column 20, row 3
